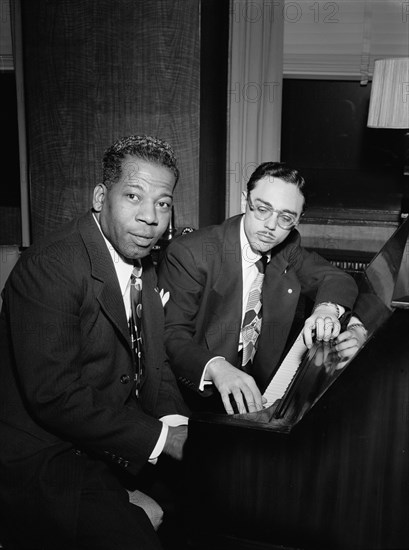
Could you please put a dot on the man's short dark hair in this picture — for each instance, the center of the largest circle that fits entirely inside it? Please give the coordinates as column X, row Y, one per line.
column 277, row 170
column 147, row 148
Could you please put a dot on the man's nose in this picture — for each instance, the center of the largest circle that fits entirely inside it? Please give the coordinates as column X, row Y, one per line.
column 271, row 222
column 147, row 212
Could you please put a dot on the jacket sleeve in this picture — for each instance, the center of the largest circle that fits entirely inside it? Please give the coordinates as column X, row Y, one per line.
column 170, row 400
column 182, row 277
column 320, row 280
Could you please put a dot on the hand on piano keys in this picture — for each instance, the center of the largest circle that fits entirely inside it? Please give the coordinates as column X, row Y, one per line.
column 238, row 390
column 323, row 324
column 332, row 355
column 352, row 339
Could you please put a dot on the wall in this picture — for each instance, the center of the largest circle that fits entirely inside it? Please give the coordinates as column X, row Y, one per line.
column 96, row 71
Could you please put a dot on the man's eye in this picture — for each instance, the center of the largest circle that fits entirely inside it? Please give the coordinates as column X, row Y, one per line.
column 262, row 210
column 133, row 197
column 287, row 219
column 164, row 205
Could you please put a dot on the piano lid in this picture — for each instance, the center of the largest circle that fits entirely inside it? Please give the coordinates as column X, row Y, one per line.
column 400, row 298
column 321, row 365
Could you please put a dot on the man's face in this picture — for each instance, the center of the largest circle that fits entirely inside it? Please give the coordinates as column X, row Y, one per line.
column 135, row 211
column 270, row 193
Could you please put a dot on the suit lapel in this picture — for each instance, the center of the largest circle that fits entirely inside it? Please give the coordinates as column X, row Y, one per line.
column 108, row 291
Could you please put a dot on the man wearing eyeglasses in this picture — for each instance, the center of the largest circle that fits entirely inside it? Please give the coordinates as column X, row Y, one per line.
column 234, row 290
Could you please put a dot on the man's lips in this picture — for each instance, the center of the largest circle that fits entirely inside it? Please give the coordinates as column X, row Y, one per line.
column 265, row 237
column 142, row 240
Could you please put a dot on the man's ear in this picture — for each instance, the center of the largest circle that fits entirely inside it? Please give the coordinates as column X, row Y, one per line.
column 243, row 201
column 98, row 197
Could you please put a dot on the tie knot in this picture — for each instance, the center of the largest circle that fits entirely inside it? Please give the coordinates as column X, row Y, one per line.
column 261, row 264
column 137, row 270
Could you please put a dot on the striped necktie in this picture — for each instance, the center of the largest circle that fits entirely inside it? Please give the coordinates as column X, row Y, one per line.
column 135, row 324
column 251, row 326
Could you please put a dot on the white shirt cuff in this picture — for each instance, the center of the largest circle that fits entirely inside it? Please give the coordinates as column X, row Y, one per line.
column 174, row 420
column 168, row 420
column 159, row 444
column 204, row 382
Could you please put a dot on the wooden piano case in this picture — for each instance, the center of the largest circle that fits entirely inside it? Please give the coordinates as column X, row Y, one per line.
column 335, row 479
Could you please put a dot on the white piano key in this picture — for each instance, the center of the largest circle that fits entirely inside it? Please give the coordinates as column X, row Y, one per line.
column 286, row 372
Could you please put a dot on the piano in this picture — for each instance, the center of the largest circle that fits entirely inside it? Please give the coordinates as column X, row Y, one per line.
column 325, row 464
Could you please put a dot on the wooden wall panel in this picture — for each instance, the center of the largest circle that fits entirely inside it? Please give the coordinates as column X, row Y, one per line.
column 99, row 70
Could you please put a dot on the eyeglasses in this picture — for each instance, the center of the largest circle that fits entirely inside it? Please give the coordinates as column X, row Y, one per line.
column 263, row 213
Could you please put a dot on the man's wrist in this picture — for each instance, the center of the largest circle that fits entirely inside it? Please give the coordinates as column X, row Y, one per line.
column 336, row 307
column 204, row 379
column 358, row 326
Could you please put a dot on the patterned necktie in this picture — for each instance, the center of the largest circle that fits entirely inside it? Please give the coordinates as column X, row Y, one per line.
column 252, row 319
column 135, row 324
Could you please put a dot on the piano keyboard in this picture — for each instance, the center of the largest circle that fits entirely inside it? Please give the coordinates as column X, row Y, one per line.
column 283, row 377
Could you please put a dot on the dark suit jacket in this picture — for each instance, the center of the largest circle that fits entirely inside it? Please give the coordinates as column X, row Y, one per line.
column 67, row 372
column 203, row 273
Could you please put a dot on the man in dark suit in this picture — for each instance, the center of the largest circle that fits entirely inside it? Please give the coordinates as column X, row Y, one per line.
column 210, row 275
column 79, row 410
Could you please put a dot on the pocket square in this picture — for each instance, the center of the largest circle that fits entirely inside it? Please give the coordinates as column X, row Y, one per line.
column 164, row 296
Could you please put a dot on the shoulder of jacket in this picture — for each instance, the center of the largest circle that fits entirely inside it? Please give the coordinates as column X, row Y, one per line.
column 199, row 237
column 63, row 246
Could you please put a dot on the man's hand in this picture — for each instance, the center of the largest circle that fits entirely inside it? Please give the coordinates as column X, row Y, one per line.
column 232, row 381
column 175, row 441
column 323, row 323
column 336, row 355
column 350, row 341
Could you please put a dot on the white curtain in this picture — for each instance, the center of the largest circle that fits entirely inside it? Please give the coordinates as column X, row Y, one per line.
column 342, row 39
column 6, row 52
column 254, row 91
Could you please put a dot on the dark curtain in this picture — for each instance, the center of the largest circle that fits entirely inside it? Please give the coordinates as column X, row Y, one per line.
column 97, row 70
